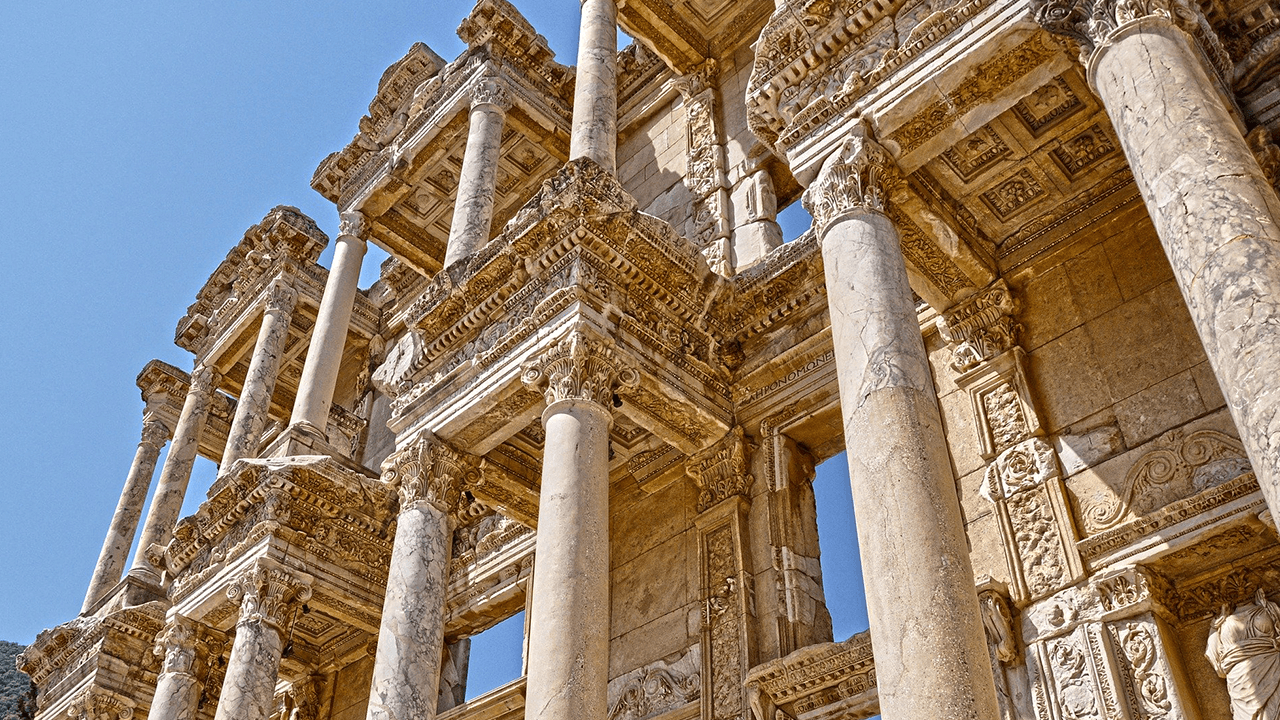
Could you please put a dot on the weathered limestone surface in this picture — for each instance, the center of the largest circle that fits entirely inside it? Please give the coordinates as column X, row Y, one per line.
column 406, row 674
column 909, row 523
column 324, row 356
column 473, row 210
column 270, row 596
column 1215, row 212
column 595, row 97
column 260, row 382
column 172, row 488
column 177, row 689
column 115, row 548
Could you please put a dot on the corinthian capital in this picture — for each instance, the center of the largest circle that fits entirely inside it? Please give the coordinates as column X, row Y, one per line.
column 270, row 593
column 857, row 177
column 1094, row 23
column 205, row 379
column 491, row 91
column 579, row 368
column 281, row 296
column 176, row 644
column 430, row 471
column 154, row 432
column 352, row 224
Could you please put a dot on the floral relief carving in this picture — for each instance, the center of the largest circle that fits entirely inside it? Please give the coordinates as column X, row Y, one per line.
column 1178, row 466
column 1140, row 648
column 657, row 688
column 980, row 327
column 429, row 471
column 720, row 472
column 176, row 644
column 579, row 368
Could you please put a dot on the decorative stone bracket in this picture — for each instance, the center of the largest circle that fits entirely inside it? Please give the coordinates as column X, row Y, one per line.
column 720, row 472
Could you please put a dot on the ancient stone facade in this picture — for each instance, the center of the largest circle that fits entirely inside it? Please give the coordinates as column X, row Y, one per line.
column 1037, row 307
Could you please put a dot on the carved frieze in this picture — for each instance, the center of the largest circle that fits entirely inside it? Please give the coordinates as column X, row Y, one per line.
column 657, row 687
column 839, row 674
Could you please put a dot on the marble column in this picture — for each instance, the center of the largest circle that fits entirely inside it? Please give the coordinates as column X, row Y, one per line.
column 270, row 595
column 260, row 380
column 329, row 339
column 177, row 689
column 931, row 660
column 166, row 505
column 429, row 476
column 124, row 523
column 595, row 96
column 569, row 612
column 473, row 209
column 1213, row 207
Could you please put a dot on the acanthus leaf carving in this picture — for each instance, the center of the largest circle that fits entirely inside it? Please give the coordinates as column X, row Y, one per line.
column 980, row 327
column 859, row 176
column 176, row 644
column 720, row 472
column 428, row 470
column 579, row 368
column 270, row 593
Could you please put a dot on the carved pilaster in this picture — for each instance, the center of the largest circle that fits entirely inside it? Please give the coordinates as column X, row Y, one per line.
column 270, row 594
column 706, row 173
column 579, row 368
column 1095, row 23
column 1025, row 485
column 1002, row 640
column 720, row 472
column 430, row 471
column 1106, row 650
column 856, row 178
column 728, row 610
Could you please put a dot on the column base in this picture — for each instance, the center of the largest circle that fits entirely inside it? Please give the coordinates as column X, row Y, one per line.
column 303, row 438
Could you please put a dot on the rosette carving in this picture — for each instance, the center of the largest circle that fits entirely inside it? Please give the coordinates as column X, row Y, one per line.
column 271, row 594
column 429, row 471
column 579, row 368
column 858, row 176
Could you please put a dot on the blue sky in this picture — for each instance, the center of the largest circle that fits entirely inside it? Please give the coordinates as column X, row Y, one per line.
column 139, row 141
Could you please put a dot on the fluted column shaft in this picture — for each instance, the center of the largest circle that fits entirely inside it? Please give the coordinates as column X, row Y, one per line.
column 931, row 660
column 1215, row 212
column 473, row 209
column 269, row 597
column 260, row 380
column 569, row 612
column 124, row 523
column 166, row 504
column 595, row 96
column 324, row 355
column 406, row 672
column 177, row 689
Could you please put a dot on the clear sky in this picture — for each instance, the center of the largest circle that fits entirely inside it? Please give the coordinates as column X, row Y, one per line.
column 140, row 140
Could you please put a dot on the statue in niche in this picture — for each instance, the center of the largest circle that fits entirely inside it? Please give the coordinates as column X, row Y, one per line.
column 1244, row 648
